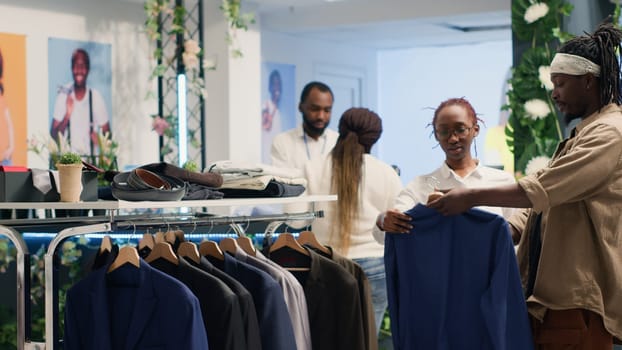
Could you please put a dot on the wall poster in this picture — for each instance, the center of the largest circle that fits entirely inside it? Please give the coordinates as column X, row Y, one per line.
column 13, row 108
column 80, row 92
column 278, row 110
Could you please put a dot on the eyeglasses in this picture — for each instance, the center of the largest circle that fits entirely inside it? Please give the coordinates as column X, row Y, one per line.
column 444, row 134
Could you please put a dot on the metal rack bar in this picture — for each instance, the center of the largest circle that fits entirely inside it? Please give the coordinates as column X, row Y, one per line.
column 22, row 285
column 202, row 219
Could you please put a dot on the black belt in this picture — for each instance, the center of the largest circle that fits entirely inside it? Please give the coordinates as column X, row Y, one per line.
column 147, row 186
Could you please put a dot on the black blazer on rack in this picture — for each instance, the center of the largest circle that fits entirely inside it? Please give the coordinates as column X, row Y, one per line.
column 367, row 308
column 247, row 306
column 334, row 305
column 130, row 308
column 219, row 305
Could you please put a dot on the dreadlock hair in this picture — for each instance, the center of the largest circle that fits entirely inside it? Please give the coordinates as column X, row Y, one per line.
column 461, row 101
column 359, row 129
column 602, row 47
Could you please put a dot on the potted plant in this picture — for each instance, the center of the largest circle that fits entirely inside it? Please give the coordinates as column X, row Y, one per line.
column 69, row 167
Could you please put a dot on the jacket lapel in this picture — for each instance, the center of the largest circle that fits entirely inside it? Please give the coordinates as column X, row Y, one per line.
column 144, row 307
column 99, row 312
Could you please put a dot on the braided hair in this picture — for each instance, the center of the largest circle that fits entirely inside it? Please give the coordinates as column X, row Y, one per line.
column 457, row 101
column 602, row 48
column 359, row 129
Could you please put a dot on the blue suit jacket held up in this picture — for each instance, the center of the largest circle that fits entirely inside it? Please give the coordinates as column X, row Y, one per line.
column 453, row 283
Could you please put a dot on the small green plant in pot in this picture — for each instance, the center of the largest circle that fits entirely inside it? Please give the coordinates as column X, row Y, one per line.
column 70, row 158
column 70, row 175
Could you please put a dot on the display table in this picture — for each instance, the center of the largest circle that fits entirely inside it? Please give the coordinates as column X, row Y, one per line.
column 116, row 205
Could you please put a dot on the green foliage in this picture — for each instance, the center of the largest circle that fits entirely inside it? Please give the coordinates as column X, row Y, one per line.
column 191, row 166
column 70, row 158
column 529, row 137
column 8, row 329
column 232, row 10
column 70, row 253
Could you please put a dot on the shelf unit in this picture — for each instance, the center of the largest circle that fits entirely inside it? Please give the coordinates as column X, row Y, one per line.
column 107, row 224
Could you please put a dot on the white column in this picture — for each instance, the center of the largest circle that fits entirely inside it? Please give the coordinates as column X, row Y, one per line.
column 233, row 106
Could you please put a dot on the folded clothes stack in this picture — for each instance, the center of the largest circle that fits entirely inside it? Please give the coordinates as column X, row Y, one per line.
column 245, row 180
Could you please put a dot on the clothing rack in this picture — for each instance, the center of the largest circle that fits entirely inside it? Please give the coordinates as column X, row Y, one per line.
column 200, row 219
column 22, row 286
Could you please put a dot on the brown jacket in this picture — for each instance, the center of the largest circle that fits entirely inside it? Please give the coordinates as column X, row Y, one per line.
column 580, row 196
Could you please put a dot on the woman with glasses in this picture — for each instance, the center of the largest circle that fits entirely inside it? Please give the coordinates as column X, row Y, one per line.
column 455, row 126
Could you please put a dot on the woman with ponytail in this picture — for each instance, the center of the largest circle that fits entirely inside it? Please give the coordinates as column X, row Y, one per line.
column 365, row 187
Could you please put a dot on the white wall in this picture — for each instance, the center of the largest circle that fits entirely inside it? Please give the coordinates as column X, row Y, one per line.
column 309, row 56
column 117, row 23
column 233, row 105
column 413, row 82
column 398, row 84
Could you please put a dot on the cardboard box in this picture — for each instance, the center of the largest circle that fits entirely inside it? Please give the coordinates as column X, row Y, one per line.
column 18, row 187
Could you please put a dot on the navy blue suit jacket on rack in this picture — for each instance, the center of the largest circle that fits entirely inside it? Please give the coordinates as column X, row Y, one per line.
column 220, row 306
column 453, row 283
column 146, row 310
column 275, row 326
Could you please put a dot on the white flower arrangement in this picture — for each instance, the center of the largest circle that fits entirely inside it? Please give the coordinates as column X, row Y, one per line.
column 192, row 47
column 190, row 56
column 536, row 163
column 544, row 74
column 535, row 12
column 537, row 108
column 533, row 128
column 45, row 146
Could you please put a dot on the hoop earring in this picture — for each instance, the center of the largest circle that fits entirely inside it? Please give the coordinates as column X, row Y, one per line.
column 475, row 145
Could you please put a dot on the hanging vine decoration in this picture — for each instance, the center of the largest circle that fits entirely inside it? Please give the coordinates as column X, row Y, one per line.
column 232, row 10
column 192, row 56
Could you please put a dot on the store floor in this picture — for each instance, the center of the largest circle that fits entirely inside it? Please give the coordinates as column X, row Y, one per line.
column 385, row 342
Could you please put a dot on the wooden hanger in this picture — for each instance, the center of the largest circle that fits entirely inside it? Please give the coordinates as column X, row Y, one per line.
column 190, row 251
column 146, row 242
column 180, row 235
column 105, row 245
column 210, row 248
column 159, row 237
column 127, row 255
column 288, row 253
column 308, row 237
column 229, row 244
column 164, row 251
column 287, row 240
column 246, row 244
column 170, row 237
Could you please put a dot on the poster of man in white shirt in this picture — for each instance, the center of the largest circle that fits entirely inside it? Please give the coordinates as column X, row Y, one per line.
column 80, row 93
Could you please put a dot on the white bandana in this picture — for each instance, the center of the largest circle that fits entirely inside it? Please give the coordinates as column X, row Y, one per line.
column 573, row 65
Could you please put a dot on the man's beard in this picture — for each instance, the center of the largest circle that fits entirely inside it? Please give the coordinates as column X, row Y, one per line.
column 312, row 130
column 569, row 118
